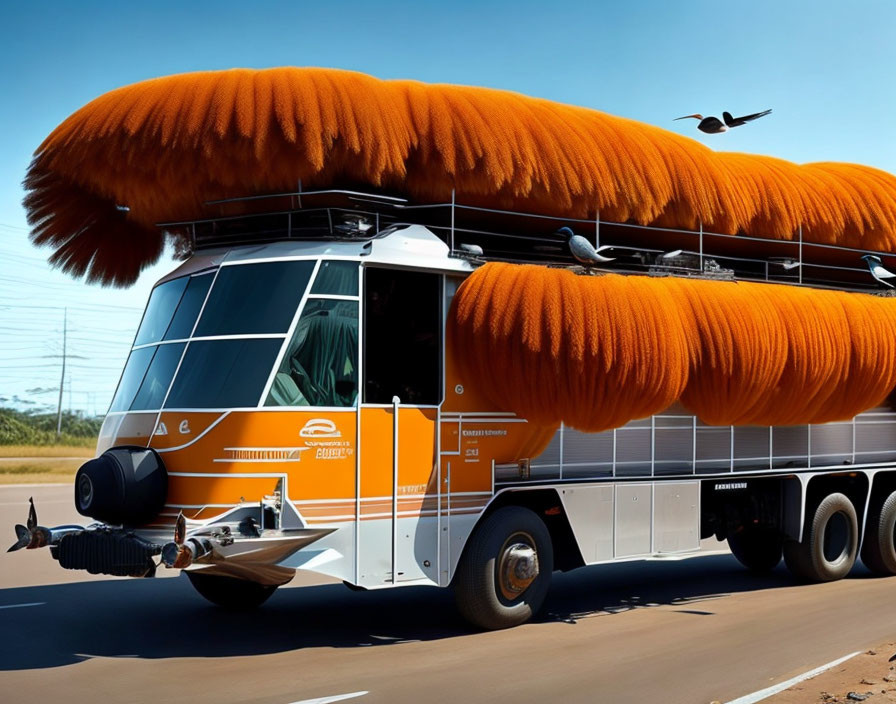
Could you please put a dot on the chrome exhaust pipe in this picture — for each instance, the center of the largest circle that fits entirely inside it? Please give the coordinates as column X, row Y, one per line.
column 216, row 550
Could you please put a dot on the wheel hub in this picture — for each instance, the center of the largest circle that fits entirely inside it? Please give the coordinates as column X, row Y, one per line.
column 518, row 568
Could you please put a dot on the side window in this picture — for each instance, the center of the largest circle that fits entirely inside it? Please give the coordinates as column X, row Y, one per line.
column 402, row 336
column 320, row 364
column 336, row 277
column 320, row 367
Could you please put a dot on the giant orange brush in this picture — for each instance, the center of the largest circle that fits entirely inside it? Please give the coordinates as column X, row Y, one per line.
column 156, row 151
column 599, row 351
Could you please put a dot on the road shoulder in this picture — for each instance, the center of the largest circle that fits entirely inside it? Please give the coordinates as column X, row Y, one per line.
column 870, row 674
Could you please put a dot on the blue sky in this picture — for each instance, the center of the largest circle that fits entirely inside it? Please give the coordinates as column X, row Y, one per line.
column 825, row 68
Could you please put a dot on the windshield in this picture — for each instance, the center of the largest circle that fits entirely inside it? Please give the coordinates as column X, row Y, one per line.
column 254, row 298
column 223, row 373
column 213, row 339
column 172, row 309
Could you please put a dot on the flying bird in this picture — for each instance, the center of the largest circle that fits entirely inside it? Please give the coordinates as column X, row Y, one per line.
column 878, row 271
column 713, row 125
column 583, row 250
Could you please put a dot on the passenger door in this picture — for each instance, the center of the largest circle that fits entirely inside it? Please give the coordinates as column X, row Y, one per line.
column 401, row 373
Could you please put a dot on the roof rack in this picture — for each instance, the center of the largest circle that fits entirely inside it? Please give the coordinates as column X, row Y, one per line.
column 514, row 236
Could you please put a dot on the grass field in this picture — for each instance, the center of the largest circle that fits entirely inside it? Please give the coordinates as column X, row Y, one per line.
column 41, row 464
column 7, row 451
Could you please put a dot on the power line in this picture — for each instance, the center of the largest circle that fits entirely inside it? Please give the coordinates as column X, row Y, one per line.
column 82, row 306
column 62, row 380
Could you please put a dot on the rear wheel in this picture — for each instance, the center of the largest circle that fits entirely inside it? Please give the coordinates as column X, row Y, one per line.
column 505, row 571
column 828, row 549
column 879, row 546
column 758, row 548
column 229, row 592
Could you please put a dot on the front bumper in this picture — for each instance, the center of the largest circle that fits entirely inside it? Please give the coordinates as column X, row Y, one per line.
column 107, row 551
column 231, row 548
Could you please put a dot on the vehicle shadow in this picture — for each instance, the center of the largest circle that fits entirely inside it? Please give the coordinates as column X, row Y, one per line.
column 167, row 619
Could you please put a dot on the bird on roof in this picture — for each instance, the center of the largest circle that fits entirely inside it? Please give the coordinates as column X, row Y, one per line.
column 583, row 250
column 472, row 250
column 786, row 263
column 713, row 125
column 878, row 271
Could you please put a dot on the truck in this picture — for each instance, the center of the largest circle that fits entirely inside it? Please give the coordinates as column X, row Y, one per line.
column 299, row 395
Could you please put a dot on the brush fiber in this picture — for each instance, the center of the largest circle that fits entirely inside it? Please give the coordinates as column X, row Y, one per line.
column 596, row 352
column 163, row 147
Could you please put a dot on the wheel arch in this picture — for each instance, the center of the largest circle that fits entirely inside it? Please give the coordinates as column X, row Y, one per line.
column 855, row 485
column 773, row 500
column 546, row 504
column 883, row 483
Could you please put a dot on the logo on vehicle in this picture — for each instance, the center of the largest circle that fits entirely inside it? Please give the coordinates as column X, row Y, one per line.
column 729, row 486
column 320, row 428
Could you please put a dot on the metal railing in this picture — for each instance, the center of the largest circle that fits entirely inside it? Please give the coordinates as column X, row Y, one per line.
column 507, row 235
column 677, row 444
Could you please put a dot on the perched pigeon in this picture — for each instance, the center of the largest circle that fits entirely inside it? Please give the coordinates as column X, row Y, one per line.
column 583, row 250
column 473, row 250
column 876, row 267
column 787, row 263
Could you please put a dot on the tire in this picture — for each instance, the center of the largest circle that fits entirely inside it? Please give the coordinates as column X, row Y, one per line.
column 229, row 592
column 758, row 548
column 492, row 595
column 879, row 546
column 830, row 542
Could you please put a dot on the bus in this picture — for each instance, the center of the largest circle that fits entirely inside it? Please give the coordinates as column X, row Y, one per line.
column 300, row 395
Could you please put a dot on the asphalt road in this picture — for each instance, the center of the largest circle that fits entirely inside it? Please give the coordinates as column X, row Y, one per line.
column 687, row 631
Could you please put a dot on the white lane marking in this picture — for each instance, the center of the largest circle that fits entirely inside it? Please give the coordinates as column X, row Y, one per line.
column 774, row 689
column 677, row 557
column 334, row 698
column 21, row 606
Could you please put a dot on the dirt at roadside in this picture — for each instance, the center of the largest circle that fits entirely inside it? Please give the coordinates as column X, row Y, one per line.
column 869, row 676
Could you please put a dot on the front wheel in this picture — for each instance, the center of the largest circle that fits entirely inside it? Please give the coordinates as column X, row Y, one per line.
column 505, row 570
column 229, row 592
